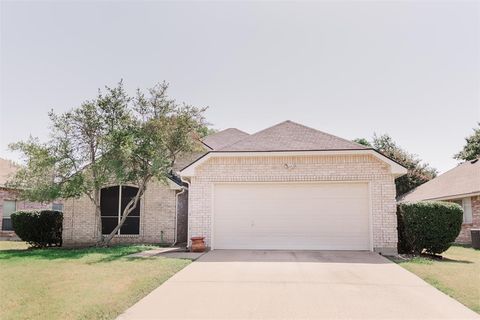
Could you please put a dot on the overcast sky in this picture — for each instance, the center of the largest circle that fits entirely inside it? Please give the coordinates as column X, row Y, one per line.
column 411, row 70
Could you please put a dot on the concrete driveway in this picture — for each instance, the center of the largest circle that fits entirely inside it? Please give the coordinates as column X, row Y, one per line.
column 238, row 284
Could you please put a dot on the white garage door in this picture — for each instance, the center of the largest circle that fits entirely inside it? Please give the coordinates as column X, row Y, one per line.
column 291, row 216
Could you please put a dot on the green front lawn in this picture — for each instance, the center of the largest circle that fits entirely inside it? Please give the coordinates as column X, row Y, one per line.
column 92, row 283
column 457, row 274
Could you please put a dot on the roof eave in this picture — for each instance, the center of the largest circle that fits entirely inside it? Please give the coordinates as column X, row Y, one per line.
column 442, row 198
column 174, row 185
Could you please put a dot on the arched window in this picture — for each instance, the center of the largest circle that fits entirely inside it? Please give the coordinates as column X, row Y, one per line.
column 113, row 201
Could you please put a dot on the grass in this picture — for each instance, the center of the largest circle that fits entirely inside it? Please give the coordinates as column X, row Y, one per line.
column 457, row 274
column 90, row 283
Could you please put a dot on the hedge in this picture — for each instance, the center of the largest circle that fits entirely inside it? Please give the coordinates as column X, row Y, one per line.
column 428, row 226
column 39, row 228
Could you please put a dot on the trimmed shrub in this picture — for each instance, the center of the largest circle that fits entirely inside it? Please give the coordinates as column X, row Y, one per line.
column 39, row 228
column 402, row 245
column 428, row 226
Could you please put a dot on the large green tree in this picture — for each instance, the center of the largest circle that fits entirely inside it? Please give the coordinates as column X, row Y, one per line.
column 72, row 162
column 471, row 150
column 418, row 171
column 160, row 129
column 114, row 138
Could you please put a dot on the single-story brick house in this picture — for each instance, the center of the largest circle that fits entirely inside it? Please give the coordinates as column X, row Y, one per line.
column 9, row 200
column 461, row 185
column 285, row 187
column 160, row 217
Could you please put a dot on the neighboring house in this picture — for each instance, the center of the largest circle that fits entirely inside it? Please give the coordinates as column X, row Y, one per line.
column 461, row 185
column 9, row 202
column 285, row 187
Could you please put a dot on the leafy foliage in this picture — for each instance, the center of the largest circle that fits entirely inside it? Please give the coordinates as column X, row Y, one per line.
column 362, row 141
column 112, row 139
column 418, row 172
column 38, row 172
column 72, row 162
column 146, row 148
column 430, row 226
column 471, row 150
column 39, row 228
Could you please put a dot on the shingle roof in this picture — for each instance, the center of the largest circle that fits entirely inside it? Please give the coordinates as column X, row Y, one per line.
column 224, row 138
column 461, row 180
column 185, row 159
column 291, row 136
column 7, row 169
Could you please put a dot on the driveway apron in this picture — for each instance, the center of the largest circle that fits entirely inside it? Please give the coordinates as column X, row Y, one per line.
column 244, row 284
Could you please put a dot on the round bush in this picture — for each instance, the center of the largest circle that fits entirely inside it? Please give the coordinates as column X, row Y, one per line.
column 430, row 226
column 39, row 228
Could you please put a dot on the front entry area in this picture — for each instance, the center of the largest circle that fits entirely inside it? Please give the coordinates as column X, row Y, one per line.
column 291, row 216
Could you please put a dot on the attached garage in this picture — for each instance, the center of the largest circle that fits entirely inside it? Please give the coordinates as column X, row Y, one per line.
column 291, row 216
column 290, row 187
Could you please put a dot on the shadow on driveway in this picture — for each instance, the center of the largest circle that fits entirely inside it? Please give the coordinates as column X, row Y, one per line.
column 364, row 257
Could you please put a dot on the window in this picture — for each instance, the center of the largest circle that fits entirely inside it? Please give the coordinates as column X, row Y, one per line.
column 467, row 210
column 112, row 203
column 57, row 207
column 9, row 207
column 466, row 204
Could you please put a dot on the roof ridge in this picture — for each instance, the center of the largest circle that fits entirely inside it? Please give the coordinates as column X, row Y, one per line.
column 212, row 141
column 328, row 134
column 272, row 126
column 300, row 125
column 298, row 135
column 253, row 134
column 232, row 128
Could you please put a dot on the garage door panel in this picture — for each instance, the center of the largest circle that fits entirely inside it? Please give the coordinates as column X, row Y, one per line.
column 291, row 216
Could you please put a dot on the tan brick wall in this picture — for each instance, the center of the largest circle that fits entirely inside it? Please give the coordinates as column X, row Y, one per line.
column 306, row 168
column 465, row 235
column 157, row 219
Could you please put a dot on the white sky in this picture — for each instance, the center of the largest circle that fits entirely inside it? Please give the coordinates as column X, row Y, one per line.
column 409, row 69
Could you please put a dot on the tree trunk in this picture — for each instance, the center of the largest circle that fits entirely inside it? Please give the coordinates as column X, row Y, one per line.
column 98, row 217
column 96, row 194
